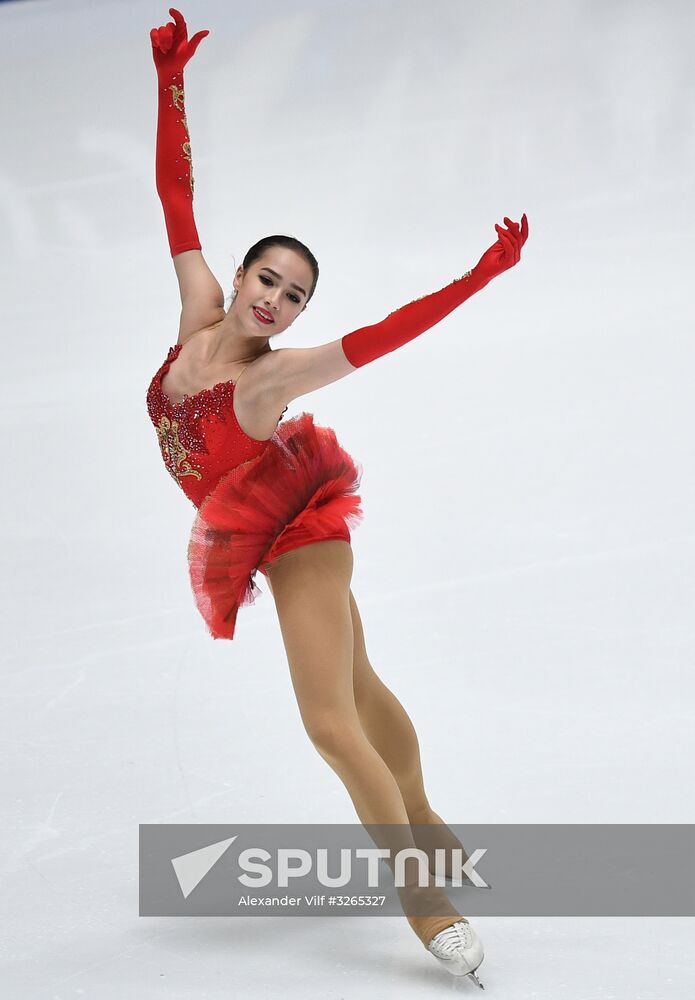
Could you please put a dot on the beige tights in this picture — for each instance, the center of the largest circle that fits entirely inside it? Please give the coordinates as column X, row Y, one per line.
column 356, row 724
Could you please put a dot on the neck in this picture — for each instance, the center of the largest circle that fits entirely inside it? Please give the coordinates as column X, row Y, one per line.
column 228, row 343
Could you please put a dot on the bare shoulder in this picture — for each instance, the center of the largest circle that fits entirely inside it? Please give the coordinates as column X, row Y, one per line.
column 290, row 372
column 268, row 384
column 279, row 376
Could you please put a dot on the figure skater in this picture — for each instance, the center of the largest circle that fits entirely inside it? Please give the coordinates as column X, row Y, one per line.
column 280, row 497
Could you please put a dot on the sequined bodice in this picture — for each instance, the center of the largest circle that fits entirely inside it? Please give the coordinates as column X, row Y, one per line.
column 200, row 437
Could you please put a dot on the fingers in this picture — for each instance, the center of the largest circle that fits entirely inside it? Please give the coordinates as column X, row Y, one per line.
column 166, row 36
column 182, row 31
column 162, row 37
column 518, row 241
column 516, row 229
column 514, row 244
column 519, row 231
column 196, row 40
column 507, row 242
column 507, row 250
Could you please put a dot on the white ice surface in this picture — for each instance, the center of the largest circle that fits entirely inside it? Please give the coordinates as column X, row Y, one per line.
column 525, row 567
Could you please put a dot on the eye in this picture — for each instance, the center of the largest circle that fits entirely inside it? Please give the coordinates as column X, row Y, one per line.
column 267, row 281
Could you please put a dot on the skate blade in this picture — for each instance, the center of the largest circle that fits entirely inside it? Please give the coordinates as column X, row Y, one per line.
column 474, row 976
column 453, row 967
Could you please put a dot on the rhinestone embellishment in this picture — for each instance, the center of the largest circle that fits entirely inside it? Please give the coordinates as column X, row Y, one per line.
column 173, row 452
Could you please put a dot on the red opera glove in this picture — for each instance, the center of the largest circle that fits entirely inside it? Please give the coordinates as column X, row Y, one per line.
column 371, row 342
column 171, row 50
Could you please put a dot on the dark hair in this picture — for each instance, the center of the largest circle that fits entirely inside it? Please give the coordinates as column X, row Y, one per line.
column 258, row 249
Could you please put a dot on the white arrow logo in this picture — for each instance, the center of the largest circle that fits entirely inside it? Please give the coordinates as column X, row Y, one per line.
column 191, row 868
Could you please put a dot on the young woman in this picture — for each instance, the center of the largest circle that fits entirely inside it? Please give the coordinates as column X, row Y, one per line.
column 280, row 498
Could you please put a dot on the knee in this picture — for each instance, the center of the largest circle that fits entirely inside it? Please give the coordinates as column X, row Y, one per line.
column 333, row 735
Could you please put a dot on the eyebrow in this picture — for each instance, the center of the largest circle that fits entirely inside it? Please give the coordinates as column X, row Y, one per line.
column 276, row 275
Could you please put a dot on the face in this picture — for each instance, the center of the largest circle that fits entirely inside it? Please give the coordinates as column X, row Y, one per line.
column 279, row 284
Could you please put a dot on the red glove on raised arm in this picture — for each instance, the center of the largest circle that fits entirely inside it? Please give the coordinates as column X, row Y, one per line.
column 371, row 342
column 171, row 50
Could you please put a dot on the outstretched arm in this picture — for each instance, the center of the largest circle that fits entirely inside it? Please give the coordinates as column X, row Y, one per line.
column 371, row 342
column 301, row 370
column 202, row 298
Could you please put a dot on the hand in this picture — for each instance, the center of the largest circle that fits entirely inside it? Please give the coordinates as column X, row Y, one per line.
column 505, row 252
column 171, row 48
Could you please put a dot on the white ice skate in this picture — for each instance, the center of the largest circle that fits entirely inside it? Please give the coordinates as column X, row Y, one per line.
column 459, row 949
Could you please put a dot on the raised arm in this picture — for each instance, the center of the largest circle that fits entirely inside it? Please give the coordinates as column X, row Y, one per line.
column 202, row 298
column 298, row 371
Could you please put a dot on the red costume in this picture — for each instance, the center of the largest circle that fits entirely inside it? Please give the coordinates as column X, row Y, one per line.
column 256, row 498
column 259, row 498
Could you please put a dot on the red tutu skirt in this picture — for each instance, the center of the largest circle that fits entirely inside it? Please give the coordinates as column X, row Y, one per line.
column 301, row 489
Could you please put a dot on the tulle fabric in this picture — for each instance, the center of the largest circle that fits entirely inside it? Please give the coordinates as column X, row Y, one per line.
column 302, row 488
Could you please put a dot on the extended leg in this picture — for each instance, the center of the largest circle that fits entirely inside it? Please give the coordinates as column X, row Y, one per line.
column 310, row 586
column 390, row 731
column 387, row 725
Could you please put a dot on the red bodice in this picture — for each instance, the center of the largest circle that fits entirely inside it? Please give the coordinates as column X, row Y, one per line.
column 200, row 437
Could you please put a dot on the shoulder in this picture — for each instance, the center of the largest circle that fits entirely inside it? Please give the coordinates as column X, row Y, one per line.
column 297, row 371
column 261, row 378
column 198, row 335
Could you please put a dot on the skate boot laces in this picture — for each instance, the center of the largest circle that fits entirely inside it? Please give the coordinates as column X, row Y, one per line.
column 451, row 940
column 459, row 949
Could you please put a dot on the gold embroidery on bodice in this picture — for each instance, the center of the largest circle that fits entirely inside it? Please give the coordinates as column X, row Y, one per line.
column 174, row 454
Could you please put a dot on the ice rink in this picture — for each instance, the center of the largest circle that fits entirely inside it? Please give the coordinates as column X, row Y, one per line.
column 524, row 570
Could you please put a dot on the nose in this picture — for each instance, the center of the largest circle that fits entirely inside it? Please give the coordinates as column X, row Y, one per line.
column 270, row 301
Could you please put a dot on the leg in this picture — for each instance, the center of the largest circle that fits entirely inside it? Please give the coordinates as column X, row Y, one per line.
column 311, row 588
column 385, row 722
column 390, row 731
column 387, row 725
